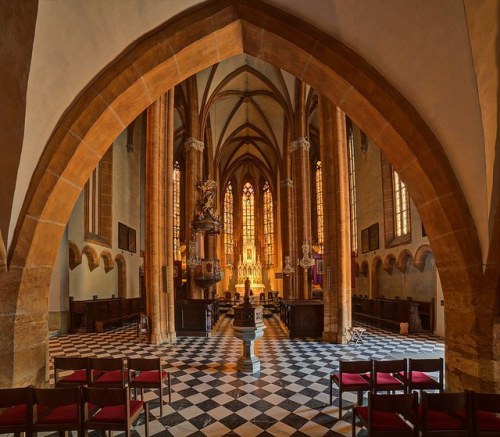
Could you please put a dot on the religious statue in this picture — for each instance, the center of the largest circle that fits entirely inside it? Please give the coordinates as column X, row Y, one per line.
column 247, row 287
column 207, row 201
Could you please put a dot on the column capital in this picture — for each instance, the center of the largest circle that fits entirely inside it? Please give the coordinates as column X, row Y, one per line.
column 300, row 143
column 286, row 183
column 193, row 143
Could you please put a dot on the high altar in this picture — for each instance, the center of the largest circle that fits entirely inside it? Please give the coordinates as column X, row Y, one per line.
column 249, row 267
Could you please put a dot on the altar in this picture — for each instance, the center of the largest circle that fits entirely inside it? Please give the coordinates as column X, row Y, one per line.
column 249, row 267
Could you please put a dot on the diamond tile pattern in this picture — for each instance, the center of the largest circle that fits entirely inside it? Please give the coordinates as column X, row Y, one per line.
column 211, row 398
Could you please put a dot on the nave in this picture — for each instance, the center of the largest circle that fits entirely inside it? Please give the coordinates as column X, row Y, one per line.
column 211, row 398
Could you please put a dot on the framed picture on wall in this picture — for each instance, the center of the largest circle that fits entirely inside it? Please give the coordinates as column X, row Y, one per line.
column 365, row 240
column 373, row 232
column 122, row 236
column 131, row 240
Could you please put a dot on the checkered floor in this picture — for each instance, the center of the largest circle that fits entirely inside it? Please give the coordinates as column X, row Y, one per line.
column 211, row 398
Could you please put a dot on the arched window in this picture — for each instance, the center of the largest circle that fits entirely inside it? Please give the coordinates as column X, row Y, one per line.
column 401, row 207
column 268, row 224
column 228, row 224
column 248, row 200
column 177, row 211
column 319, row 206
column 352, row 186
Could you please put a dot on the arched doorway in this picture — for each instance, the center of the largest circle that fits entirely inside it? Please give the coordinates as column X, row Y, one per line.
column 183, row 46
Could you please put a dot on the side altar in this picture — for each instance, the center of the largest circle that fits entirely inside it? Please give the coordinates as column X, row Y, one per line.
column 249, row 267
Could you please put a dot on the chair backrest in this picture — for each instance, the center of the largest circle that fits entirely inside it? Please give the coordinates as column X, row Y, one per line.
column 106, row 364
column 10, row 397
column 143, row 364
column 56, row 397
column 262, row 296
column 364, row 366
column 227, row 295
column 486, row 402
column 394, row 403
column 389, row 366
column 426, row 365
column 445, row 402
column 103, row 397
column 236, row 296
column 70, row 363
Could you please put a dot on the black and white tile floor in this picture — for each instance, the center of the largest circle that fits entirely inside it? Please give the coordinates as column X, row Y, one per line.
column 211, row 398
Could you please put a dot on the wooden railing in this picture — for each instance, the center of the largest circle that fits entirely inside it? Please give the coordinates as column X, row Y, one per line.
column 94, row 315
column 389, row 313
column 302, row 318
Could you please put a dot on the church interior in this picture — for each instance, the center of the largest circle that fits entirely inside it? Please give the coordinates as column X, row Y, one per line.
column 336, row 161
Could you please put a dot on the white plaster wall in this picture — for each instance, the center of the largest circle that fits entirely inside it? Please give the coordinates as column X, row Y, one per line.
column 422, row 48
column 83, row 283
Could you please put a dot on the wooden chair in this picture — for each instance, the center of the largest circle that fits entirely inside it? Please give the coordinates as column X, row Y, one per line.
column 143, row 326
column 107, row 372
column 384, row 416
column 56, row 409
column 148, row 373
column 16, row 410
column 485, row 414
column 383, row 375
column 111, row 409
column 79, row 376
column 418, row 377
column 445, row 415
column 350, row 378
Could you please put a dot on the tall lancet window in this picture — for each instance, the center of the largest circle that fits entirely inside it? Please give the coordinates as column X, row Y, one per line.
column 268, row 224
column 248, row 200
column 401, row 207
column 177, row 211
column 352, row 186
column 228, row 224
column 319, row 206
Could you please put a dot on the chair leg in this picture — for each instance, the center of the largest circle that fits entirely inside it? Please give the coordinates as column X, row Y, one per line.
column 169, row 389
column 146, row 419
column 161, row 400
column 340, row 404
column 360, row 398
column 331, row 391
column 353, row 423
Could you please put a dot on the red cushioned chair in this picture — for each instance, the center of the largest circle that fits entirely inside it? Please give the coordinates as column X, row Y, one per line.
column 107, row 372
column 147, row 373
column 384, row 415
column 111, row 409
column 350, row 378
column 79, row 366
column 56, row 409
column 486, row 414
column 383, row 376
column 418, row 377
column 445, row 415
column 15, row 410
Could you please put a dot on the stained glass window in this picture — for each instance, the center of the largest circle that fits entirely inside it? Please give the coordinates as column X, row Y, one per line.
column 352, row 186
column 401, row 207
column 268, row 224
column 177, row 211
column 319, row 205
column 248, row 200
column 228, row 224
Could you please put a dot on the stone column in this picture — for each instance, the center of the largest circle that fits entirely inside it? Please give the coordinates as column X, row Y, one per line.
column 194, row 174
column 155, row 261
column 169, row 216
column 286, row 186
column 302, row 189
column 336, row 213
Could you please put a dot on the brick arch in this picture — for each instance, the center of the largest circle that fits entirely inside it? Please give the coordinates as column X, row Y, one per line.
column 389, row 262
column 92, row 257
column 186, row 44
column 421, row 255
column 108, row 260
column 75, row 256
column 122, row 275
column 402, row 262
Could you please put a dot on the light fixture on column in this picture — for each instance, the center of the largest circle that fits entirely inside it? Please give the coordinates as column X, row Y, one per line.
column 193, row 261
column 287, row 266
column 307, row 260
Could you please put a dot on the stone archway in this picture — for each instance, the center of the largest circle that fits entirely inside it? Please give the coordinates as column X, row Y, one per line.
column 188, row 43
